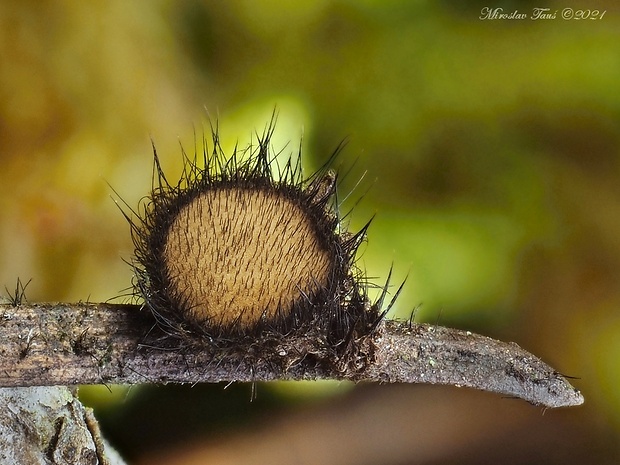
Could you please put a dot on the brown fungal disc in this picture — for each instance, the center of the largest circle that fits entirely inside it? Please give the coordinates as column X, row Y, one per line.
column 242, row 252
column 235, row 256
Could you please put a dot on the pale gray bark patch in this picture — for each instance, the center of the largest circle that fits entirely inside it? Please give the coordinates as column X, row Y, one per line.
column 48, row 426
column 431, row 354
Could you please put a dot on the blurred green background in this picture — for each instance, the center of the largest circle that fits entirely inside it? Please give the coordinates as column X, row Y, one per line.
column 492, row 157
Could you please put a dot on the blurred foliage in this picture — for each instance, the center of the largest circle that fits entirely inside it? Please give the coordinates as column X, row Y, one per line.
column 492, row 149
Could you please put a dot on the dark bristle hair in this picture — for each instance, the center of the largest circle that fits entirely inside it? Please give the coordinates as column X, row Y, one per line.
column 331, row 308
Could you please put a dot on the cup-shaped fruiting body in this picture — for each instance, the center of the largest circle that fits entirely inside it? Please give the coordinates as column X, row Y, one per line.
column 234, row 252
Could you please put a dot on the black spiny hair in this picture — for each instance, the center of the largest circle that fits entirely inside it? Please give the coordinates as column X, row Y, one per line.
column 235, row 256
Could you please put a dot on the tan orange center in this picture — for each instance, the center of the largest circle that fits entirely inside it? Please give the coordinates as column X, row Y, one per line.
column 234, row 255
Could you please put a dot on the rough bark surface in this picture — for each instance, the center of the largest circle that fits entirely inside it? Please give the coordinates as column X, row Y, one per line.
column 49, row 426
column 71, row 344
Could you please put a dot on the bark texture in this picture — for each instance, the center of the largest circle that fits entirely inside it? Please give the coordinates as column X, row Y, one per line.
column 71, row 344
column 49, row 426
